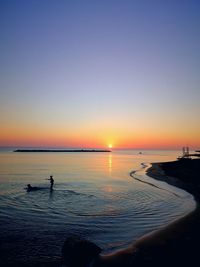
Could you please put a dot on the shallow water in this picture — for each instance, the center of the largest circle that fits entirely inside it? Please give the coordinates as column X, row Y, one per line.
column 94, row 196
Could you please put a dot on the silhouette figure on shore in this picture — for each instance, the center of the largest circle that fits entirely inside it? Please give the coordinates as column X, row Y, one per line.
column 51, row 182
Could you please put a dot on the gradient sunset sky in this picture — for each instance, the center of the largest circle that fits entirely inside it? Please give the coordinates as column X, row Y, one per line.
column 92, row 73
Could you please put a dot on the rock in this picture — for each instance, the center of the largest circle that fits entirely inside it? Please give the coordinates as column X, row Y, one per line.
column 78, row 252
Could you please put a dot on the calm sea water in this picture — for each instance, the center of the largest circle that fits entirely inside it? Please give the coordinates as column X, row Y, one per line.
column 94, row 196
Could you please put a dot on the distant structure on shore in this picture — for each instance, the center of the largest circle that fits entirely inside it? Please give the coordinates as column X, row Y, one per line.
column 186, row 154
column 198, row 153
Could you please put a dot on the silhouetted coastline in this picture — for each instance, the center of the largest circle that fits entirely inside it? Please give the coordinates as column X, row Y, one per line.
column 180, row 173
column 181, row 249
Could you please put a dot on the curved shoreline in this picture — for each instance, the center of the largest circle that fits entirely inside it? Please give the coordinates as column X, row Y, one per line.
column 172, row 243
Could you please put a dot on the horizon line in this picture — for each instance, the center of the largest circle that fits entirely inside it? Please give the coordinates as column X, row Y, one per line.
column 82, row 148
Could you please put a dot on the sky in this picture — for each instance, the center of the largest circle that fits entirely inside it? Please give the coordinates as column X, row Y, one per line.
column 89, row 73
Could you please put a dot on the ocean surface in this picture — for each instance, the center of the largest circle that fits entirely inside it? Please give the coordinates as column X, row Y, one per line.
column 96, row 195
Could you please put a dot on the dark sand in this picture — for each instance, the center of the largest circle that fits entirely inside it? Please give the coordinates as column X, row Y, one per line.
column 180, row 240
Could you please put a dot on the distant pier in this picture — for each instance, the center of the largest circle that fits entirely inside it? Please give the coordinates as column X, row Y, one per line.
column 186, row 154
column 62, row 150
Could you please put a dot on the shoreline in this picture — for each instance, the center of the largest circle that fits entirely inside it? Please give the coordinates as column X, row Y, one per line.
column 158, row 172
column 174, row 243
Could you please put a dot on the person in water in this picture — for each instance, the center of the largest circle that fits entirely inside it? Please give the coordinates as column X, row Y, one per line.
column 31, row 188
column 51, row 182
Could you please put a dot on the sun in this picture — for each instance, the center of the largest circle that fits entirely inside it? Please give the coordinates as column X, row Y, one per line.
column 110, row 146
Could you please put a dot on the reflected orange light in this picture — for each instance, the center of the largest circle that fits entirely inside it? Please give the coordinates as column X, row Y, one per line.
column 108, row 189
column 110, row 163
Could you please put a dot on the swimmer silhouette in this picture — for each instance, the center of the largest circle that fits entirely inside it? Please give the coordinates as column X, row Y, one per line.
column 31, row 188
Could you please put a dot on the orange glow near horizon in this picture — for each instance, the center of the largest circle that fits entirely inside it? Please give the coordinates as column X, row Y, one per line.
column 94, row 136
column 84, row 140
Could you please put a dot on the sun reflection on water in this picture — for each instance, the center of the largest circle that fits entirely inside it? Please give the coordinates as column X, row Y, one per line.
column 110, row 163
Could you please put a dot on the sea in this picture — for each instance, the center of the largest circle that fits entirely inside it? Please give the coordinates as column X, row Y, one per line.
column 104, row 197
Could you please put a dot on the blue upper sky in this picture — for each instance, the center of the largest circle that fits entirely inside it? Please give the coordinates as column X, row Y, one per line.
column 115, row 62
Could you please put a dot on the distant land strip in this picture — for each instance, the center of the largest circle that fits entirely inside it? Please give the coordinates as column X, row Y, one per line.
column 62, row 150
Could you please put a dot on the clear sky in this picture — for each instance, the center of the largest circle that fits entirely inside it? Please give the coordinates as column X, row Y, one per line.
column 90, row 73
